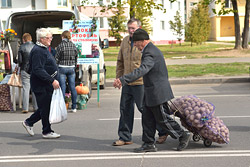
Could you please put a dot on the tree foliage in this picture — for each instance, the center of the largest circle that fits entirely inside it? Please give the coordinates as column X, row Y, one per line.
column 116, row 23
column 199, row 26
column 176, row 26
column 141, row 10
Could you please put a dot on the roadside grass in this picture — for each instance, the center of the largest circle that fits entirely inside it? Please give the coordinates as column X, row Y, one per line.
column 175, row 51
column 195, row 70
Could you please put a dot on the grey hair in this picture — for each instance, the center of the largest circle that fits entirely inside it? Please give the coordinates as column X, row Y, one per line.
column 134, row 20
column 42, row 32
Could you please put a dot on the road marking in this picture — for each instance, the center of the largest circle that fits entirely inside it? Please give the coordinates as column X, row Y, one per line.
column 199, row 96
column 7, row 122
column 116, row 156
column 239, row 95
column 234, row 116
column 115, row 119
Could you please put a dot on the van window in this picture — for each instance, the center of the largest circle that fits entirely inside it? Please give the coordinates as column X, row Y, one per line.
column 6, row 3
column 62, row 3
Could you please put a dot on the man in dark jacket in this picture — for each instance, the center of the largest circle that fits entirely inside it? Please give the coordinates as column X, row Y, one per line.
column 157, row 92
column 23, row 62
column 129, row 58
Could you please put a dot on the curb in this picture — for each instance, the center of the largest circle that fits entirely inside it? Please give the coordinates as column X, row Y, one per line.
column 202, row 80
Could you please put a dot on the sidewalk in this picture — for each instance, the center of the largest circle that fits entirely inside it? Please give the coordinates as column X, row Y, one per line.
column 199, row 80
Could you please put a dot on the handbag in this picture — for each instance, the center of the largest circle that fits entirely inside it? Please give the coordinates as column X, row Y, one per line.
column 58, row 111
column 15, row 79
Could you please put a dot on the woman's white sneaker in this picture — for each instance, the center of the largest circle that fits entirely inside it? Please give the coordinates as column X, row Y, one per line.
column 74, row 110
column 51, row 135
column 28, row 128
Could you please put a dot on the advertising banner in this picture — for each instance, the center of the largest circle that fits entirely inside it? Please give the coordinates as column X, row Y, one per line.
column 85, row 35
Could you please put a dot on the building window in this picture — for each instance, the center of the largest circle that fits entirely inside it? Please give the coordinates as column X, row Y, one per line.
column 171, row 5
column 100, row 2
column 62, row 3
column 179, row 6
column 33, row 4
column 228, row 4
column 102, row 22
column 191, row 4
column 162, row 2
column 6, row 3
column 162, row 25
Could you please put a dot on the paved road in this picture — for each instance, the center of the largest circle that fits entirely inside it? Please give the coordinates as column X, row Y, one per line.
column 87, row 135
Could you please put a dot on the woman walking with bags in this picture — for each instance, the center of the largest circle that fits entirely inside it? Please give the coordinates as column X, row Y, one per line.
column 44, row 73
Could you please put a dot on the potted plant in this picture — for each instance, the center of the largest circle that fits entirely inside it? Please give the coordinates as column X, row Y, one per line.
column 6, row 36
column 67, row 99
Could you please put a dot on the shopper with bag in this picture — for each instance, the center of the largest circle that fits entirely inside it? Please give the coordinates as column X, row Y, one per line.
column 23, row 62
column 43, row 79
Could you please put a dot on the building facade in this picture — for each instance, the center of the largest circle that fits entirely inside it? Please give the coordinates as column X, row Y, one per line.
column 9, row 6
column 189, row 5
column 223, row 26
column 161, row 32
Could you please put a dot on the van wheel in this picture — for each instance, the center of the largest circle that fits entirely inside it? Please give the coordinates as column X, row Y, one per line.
column 89, row 85
column 104, row 82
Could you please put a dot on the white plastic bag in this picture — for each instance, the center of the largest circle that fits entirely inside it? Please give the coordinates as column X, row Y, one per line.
column 58, row 111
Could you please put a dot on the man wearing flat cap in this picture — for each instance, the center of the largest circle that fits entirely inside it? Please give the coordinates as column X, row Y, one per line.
column 157, row 92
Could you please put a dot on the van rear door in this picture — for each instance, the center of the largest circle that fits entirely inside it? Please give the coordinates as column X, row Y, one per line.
column 29, row 21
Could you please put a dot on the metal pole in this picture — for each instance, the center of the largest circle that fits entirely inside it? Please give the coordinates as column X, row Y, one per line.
column 98, row 84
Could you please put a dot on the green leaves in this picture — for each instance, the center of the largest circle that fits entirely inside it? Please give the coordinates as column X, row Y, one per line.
column 198, row 28
column 176, row 26
column 116, row 22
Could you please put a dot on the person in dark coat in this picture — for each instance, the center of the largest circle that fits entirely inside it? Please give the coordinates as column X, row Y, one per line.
column 23, row 62
column 157, row 92
column 44, row 79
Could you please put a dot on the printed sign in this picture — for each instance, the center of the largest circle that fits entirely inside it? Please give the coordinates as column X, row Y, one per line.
column 84, row 36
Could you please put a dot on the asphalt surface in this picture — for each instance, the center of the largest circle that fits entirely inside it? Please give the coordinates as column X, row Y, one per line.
column 200, row 80
column 87, row 135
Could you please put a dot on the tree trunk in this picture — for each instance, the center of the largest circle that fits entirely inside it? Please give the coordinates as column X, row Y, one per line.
column 131, row 12
column 246, row 26
column 236, row 25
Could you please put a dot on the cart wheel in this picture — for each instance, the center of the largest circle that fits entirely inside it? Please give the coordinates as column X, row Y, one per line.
column 196, row 137
column 207, row 142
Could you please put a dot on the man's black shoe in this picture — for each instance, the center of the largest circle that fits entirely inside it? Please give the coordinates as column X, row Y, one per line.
column 146, row 148
column 184, row 140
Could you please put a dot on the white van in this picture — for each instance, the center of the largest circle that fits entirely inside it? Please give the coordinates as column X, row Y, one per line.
column 29, row 21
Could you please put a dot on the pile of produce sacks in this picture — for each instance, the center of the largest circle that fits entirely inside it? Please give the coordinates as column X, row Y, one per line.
column 197, row 116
